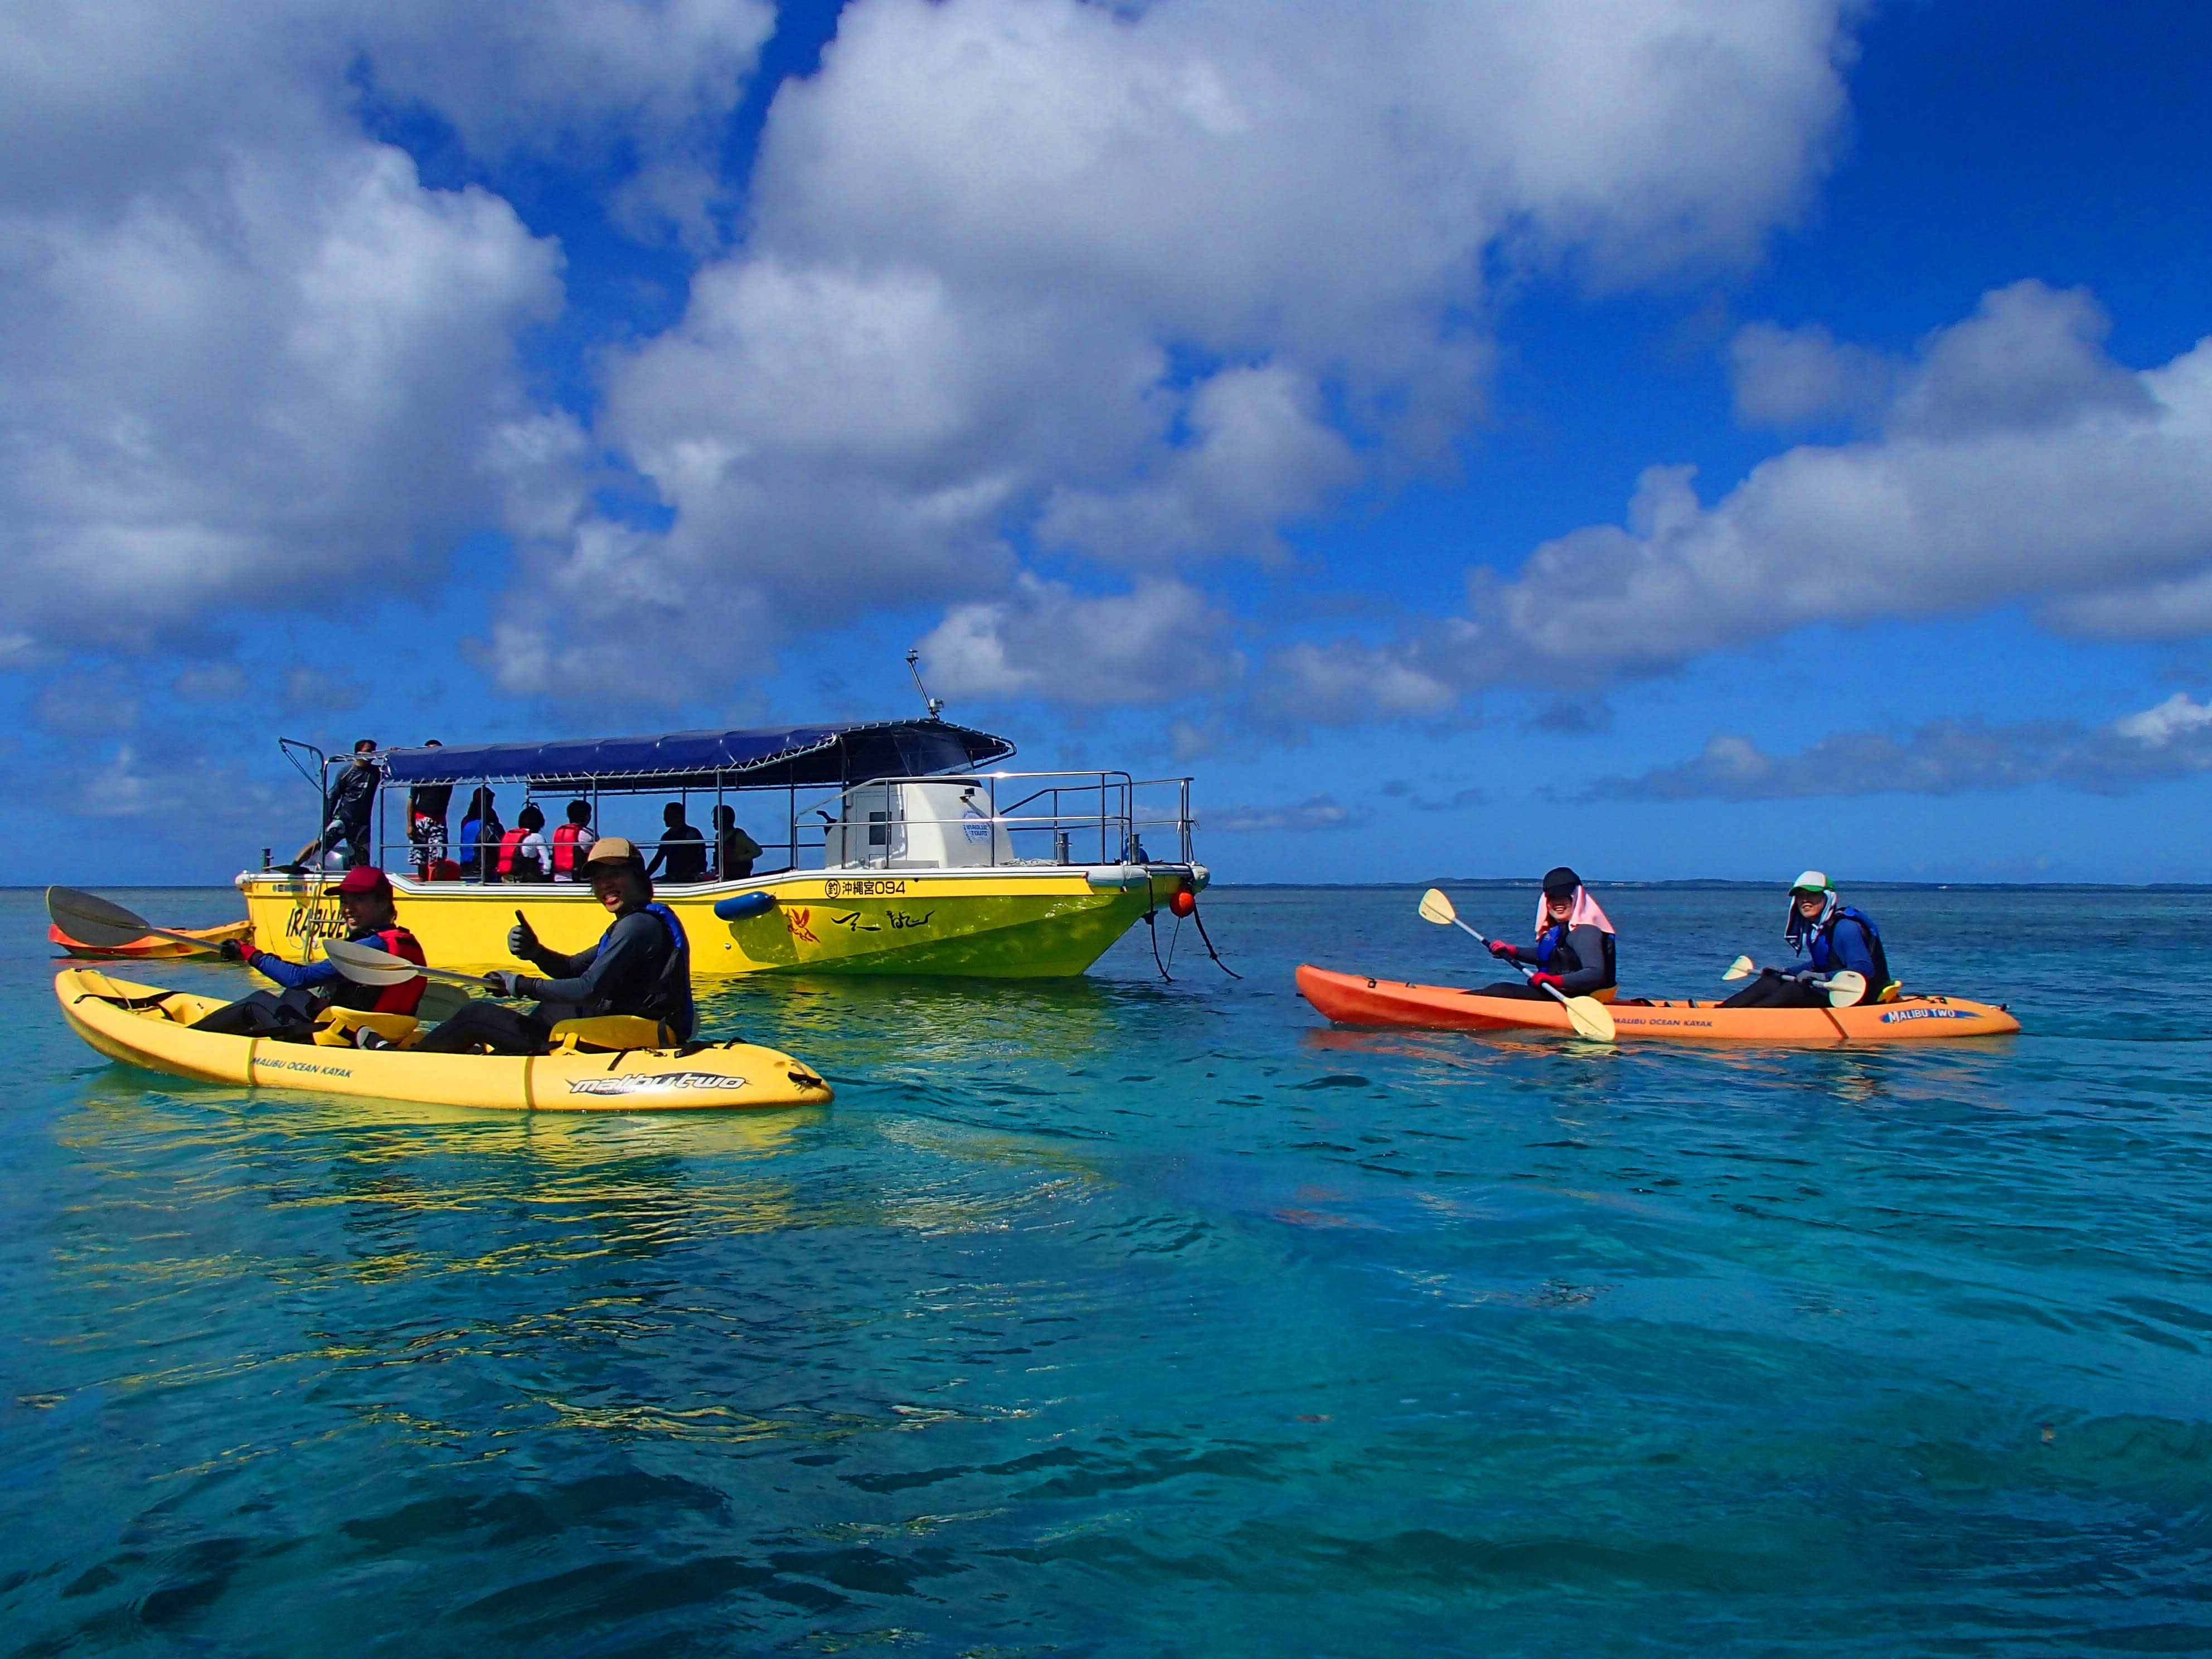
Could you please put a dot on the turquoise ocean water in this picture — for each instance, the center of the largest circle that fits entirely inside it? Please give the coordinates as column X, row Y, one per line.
column 1117, row 1317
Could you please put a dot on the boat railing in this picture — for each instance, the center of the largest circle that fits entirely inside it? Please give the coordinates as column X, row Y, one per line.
column 997, row 819
column 937, row 820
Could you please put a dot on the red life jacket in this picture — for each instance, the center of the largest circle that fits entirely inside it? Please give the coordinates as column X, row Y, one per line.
column 564, row 849
column 401, row 999
column 510, row 845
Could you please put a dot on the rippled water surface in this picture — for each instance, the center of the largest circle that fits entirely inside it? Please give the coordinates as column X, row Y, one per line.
column 1118, row 1317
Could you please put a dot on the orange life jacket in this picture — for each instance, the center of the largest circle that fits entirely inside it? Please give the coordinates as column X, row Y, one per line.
column 564, row 849
column 510, row 847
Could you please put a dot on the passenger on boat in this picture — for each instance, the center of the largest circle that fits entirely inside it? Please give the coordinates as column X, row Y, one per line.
column 735, row 850
column 1835, row 935
column 1574, row 948
column 366, row 897
column 641, row 965
column 682, row 846
column 481, row 831
column 571, row 841
column 427, row 805
column 523, row 854
column 352, row 803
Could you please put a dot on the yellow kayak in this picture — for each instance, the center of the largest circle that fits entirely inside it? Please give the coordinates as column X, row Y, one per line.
column 146, row 1025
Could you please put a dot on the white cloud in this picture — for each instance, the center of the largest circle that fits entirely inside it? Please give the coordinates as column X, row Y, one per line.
column 2178, row 719
column 1348, row 682
column 2016, row 464
column 1315, row 812
column 1147, row 285
column 1156, row 643
column 1800, row 377
column 244, row 352
column 580, row 80
column 1943, row 757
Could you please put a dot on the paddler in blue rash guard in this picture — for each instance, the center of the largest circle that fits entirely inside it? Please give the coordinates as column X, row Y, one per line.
column 1835, row 935
column 641, row 965
column 1574, row 946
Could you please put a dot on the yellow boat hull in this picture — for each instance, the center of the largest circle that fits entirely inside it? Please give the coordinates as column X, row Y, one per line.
column 146, row 1025
column 1008, row 923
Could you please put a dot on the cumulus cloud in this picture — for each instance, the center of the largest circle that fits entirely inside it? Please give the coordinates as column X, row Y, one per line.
column 1458, row 801
column 1943, row 757
column 647, row 83
column 1348, row 682
column 1143, row 285
column 1315, row 812
column 1800, row 377
column 1154, row 644
column 245, row 351
column 2016, row 462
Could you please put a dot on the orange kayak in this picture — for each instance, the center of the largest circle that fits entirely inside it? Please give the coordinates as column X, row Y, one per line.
column 150, row 949
column 1356, row 999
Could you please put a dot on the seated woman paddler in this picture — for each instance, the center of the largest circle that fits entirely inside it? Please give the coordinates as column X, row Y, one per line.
column 366, row 898
column 1834, row 935
column 641, row 965
column 1574, row 947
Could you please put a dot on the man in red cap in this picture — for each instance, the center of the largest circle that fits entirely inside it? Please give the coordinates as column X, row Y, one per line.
column 366, row 897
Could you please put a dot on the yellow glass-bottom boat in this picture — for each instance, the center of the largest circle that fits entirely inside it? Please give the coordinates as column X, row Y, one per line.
column 147, row 1025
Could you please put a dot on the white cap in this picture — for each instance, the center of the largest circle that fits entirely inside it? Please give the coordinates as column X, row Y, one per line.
column 1812, row 881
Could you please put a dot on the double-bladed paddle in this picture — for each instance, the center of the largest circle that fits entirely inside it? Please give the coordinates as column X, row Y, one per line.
column 364, row 964
column 91, row 920
column 1843, row 988
column 1586, row 1014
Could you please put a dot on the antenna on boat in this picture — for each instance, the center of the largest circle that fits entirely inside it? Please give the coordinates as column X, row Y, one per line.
column 935, row 705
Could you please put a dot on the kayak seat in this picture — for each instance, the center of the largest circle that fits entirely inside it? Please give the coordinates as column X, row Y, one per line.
column 336, row 1028
column 606, row 1034
column 1891, row 991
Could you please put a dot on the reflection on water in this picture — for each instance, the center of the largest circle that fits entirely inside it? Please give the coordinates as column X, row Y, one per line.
column 1128, row 1317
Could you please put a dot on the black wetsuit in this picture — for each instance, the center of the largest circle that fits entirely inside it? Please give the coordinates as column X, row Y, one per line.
column 1582, row 958
column 640, row 965
column 353, row 801
column 684, row 851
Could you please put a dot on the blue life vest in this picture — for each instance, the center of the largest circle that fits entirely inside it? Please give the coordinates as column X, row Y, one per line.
column 1820, row 944
column 1553, row 939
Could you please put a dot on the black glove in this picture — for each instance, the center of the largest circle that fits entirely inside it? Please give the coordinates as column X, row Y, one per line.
column 231, row 950
column 506, row 984
column 520, row 940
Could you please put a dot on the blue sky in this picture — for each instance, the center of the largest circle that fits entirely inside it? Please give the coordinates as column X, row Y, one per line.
column 1300, row 400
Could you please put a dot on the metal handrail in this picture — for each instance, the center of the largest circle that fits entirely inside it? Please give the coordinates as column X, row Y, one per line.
column 1116, row 810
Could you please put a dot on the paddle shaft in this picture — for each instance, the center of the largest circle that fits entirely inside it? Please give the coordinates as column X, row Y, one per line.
column 1526, row 971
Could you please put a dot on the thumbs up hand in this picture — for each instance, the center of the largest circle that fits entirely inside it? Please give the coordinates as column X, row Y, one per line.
column 520, row 940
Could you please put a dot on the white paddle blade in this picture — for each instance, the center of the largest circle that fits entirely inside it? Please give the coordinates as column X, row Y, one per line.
column 1436, row 907
column 1845, row 988
column 90, row 920
column 1741, row 968
column 364, row 964
column 358, row 962
column 1589, row 1018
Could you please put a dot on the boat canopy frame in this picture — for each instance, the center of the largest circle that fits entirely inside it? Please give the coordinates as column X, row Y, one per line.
column 823, row 754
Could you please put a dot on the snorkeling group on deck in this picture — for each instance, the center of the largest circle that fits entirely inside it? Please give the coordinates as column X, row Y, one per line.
column 490, row 851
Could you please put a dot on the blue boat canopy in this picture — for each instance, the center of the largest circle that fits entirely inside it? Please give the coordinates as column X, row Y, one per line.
column 831, row 755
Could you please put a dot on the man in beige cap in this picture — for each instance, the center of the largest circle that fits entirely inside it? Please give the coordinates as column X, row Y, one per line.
column 641, row 965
